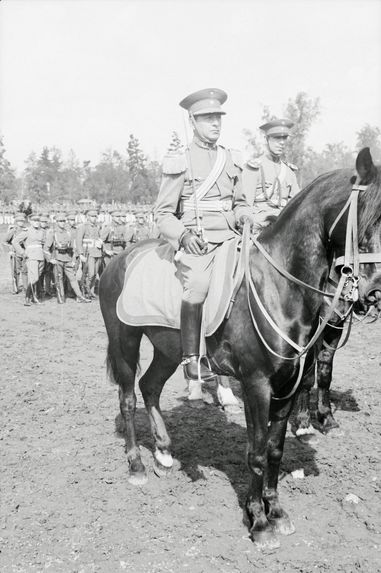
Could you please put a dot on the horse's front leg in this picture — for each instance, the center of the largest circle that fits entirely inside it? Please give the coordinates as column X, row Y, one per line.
column 279, row 414
column 257, row 397
column 151, row 385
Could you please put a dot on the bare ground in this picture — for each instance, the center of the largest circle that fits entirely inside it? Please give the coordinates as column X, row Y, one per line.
column 66, row 505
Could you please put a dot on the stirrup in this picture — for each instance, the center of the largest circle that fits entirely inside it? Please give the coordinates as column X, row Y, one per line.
column 208, row 375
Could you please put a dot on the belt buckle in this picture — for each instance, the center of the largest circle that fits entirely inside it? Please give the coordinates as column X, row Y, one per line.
column 226, row 205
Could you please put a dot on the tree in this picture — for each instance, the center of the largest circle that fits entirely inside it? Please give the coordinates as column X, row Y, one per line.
column 143, row 175
column 369, row 136
column 136, row 159
column 333, row 156
column 8, row 182
column 175, row 144
column 303, row 111
column 109, row 180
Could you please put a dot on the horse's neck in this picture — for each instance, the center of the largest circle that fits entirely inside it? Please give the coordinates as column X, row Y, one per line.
column 297, row 245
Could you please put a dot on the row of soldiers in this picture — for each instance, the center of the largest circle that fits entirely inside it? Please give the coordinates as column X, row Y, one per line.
column 43, row 256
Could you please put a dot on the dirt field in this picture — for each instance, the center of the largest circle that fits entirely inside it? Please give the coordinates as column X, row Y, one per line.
column 66, row 505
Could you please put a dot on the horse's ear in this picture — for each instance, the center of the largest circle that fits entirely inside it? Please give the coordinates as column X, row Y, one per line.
column 365, row 166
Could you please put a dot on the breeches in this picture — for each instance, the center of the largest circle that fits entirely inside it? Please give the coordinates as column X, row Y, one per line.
column 195, row 273
column 35, row 269
column 66, row 268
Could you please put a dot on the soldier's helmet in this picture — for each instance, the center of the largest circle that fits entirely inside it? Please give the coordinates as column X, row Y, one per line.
column 92, row 213
column 71, row 216
column 61, row 217
column 204, row 101
column 20, row 217
column 277, row 127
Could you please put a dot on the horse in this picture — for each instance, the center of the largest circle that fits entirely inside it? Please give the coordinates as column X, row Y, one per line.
column 285, row 272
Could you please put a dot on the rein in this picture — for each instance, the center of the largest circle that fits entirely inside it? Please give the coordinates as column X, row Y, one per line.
column 349, row 277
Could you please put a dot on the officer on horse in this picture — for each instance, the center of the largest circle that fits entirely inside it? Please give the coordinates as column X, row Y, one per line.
column 200, row 203
column 269, row 181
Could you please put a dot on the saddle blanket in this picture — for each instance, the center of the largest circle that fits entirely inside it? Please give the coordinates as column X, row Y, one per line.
column 152, row 290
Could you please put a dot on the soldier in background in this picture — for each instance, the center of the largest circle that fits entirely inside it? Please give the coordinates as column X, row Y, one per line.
column 90, row 250
column 59, row 252
column 16, row 260
column 72, row 227
column 138, row 231
column 46, row 281
column 269, row 181
column 113, row 236
column 29, row 245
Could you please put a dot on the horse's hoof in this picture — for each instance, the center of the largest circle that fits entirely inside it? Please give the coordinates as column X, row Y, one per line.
column 329, row 423
column 160, row 470
column 163, row 463
column 305, row 431
column 282, row 525
column 138, row 478
column 265, row 539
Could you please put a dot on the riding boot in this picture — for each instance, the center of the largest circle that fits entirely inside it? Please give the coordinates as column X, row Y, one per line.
column 194, row 368
column 77, row 291
column 60, row 289
column 28, row 293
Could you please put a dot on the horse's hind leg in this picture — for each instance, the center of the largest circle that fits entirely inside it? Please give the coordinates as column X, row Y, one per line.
column 122, row 357
column 279, row 414
column 301, row 417
column 151, row 386
column 324, row 378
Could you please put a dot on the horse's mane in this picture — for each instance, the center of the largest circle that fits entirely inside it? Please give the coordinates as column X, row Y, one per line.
column 370, row 204
column 334, row 187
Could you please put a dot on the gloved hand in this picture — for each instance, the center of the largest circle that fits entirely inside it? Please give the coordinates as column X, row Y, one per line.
column 246, row 217
column 193, row 244
column 83, row 258
column 98, row 243
column 53, row 261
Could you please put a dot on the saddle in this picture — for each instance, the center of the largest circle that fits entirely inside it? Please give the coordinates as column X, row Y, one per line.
column 152, row 291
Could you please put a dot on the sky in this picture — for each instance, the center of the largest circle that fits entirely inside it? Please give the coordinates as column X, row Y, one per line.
column 84, row 74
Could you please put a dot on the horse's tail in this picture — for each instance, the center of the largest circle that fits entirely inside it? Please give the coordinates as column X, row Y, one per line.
column 113, row 372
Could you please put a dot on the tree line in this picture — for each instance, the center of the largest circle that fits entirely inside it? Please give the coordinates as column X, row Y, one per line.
column 131, row 177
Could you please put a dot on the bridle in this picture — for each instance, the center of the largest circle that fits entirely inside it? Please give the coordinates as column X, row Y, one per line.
column 346, row 289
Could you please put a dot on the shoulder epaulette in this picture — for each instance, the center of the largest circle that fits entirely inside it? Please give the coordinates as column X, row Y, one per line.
column 291, row 166
column 254, row 163
column 237, row 157
column 174, row 164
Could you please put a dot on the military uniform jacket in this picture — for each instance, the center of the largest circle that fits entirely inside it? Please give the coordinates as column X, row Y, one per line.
column 30, row 243
column 12, row 233
column 59, row 245
column 265, row 180
column 87, row 236
column 177, row 187
column 114, row 237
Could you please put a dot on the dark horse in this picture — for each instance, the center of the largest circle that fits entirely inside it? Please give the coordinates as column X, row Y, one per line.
column 299, row 242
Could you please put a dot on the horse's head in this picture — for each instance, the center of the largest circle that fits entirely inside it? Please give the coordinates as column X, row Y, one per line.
column 359, row 231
